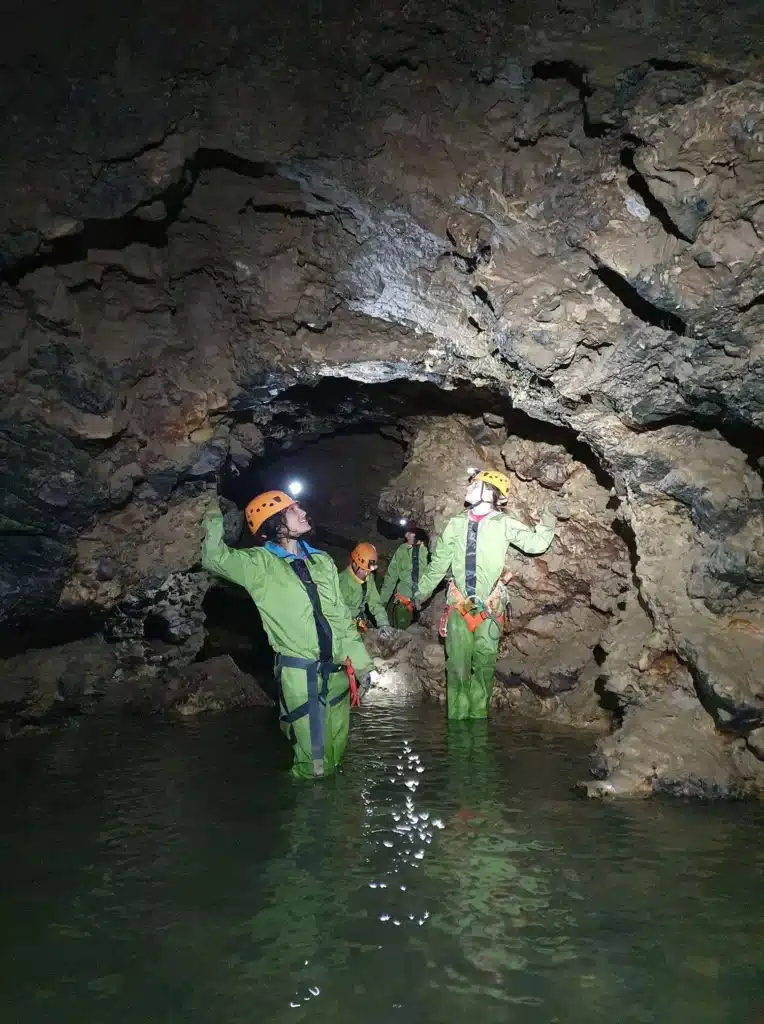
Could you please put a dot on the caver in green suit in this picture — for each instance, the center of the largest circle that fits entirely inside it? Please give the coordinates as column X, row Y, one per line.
column 359, row 595
column 474, row 548
column 401, row 581
column 309, row 628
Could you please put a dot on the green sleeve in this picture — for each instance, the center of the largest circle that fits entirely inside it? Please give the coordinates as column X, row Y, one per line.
column 345, row 588
column 219, row 559
column 439, row 564
column 531, row 542
column 392, row 576
column 348, row 643
column 376, row 606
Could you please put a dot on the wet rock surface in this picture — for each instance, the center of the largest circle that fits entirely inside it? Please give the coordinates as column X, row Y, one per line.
column 599, row 637
column 216, row 242
column 213, row 685
column 47, row 688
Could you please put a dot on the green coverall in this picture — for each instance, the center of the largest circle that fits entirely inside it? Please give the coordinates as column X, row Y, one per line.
column 314, row 698
column 359, row 595
column 399, row 579
column 475, row 552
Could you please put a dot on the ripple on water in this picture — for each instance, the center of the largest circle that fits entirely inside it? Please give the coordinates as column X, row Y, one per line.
column 178, row 874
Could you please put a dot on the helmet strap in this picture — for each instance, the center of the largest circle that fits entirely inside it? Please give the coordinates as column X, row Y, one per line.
column 486, row 502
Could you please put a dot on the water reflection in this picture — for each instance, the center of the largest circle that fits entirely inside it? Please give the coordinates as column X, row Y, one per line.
column 166, row 875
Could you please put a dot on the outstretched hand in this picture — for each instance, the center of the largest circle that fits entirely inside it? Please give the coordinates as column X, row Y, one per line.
column 368, row 681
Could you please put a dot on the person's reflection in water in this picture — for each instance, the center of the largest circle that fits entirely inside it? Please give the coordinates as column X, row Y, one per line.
column 297, row 909
column 494, row 877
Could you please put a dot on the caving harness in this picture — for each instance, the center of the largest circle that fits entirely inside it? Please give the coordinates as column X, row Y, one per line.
column 317, row 674
column 473, row 609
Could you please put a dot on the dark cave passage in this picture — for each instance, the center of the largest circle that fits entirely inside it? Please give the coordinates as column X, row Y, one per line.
column 341, row 475
column 346, row 443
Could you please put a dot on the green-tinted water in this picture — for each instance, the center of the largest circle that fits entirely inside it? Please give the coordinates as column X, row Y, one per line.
column 159, row 875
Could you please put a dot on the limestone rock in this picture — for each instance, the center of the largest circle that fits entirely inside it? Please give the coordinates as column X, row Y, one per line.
column 755, row 741
column 47, row 684
column 49, row 492
column 205, row 686
column 670, row 745
column 409, row 663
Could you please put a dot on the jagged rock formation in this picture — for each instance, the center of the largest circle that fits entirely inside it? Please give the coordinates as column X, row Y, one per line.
column 581, row 648
column 216, row 237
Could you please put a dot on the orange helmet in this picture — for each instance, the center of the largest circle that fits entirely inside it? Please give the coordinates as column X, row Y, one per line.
column 364, row 556
column 264, row 506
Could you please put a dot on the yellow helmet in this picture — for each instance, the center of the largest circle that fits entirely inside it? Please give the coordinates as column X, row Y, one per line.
column 493, row 478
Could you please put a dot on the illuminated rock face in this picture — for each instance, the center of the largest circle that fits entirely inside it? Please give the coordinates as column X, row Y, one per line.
column 215, row 239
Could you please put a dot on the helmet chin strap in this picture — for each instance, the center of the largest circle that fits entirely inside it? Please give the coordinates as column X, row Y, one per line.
column 482, row 506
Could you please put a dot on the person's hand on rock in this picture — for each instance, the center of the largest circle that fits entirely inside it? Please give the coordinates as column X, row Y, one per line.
column 212, row 508
column 228, row 507
column 368, row 682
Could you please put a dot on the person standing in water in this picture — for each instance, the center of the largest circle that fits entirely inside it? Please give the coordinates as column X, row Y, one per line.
column 359, row 590
column 402, row 578
column 474, row 546
column 296, row 590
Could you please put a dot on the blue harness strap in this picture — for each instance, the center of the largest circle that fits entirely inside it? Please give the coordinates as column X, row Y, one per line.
column 470, row 567
column 415, row 569
column 324, row 667
column 315, row 704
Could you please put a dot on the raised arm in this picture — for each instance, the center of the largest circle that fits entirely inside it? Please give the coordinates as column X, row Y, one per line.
column 218, row 558
column 535, row 541
column 439, row 564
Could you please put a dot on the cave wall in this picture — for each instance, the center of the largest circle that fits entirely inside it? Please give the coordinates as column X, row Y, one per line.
column 606, row 631
column 559, row 206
